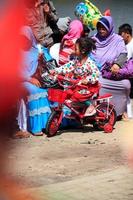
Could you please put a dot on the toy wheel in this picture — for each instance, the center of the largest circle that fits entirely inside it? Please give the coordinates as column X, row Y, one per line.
column 108, row 128
column 109, row 121
column 53, row 123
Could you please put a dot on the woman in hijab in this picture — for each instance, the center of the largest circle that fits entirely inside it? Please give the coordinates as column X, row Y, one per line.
column 111, row 51
column 38, row 105
column 67, row 46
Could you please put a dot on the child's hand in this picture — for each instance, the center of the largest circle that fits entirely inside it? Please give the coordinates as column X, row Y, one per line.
column 115, row 68
column 52, row 72
column 84, row 81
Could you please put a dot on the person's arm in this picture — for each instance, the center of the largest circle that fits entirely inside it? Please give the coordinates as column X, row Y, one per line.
column 66, row 68
column 122, row 58
column 53, row 13
column 93, row 73
column 25, row 77
column 118, row 64
column 43, row 35
column 34, row 81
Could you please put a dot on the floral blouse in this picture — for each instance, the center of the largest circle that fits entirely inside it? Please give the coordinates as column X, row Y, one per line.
column 75, row 70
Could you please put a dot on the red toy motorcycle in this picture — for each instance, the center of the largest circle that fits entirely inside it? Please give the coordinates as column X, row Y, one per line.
column 104, row 117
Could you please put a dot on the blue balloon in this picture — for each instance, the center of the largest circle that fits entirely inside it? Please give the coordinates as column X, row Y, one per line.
column 81, row 9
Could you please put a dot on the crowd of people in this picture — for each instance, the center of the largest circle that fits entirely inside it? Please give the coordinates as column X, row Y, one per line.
column 105, row 57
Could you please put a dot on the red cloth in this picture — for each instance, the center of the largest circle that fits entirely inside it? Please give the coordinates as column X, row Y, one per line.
column 10, row 23
column 107, row 12
column 66, row 51
column 78, row 97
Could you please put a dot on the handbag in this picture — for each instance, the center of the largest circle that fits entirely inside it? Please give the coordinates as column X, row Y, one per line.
column 43, row 73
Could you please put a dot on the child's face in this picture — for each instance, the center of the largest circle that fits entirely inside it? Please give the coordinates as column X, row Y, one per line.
column 77, row 50
column 125, row 37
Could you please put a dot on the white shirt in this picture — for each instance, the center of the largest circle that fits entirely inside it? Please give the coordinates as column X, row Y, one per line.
column 54, row 51
column 130, row 49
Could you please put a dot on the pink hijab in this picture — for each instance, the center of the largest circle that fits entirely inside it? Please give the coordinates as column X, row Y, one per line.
column 75, row 30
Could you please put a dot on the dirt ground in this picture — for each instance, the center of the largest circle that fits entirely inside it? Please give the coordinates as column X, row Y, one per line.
column 39, row 161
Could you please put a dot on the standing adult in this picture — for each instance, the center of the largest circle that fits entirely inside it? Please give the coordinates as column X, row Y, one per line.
column 39, row 15
column 37, row 104
column 63, row 24
column 42, row 17
column 111, row 51
column 125, row 30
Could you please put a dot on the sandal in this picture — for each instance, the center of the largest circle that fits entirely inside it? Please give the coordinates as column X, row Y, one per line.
column 38, row 134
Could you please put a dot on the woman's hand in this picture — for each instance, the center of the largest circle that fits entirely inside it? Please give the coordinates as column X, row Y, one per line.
column 115, row 68
column 35, row 82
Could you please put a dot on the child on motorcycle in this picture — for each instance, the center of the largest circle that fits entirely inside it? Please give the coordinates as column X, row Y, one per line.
column 82, row 67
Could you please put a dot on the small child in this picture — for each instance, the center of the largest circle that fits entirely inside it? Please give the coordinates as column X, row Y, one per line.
column 83, row 67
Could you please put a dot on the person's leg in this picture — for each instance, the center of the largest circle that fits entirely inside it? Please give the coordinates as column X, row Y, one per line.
column 21, row 121
column 120, row 91
column 22, row 115
column 38, row 110
column 129, row 109
column 90, row 109
column 128, row 113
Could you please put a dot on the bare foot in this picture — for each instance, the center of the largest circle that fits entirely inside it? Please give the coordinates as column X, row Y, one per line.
column 90, row 111
column 21, row 134
column 125, row 116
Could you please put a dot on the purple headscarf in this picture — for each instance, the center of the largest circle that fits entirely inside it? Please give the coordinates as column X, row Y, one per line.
column 109, row 48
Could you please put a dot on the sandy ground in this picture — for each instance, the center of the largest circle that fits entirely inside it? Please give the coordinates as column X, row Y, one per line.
column 39, row 161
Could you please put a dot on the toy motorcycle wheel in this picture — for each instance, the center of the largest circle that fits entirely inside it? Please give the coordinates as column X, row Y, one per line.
column 53, row 123
column 108, row 128
column 108, row 120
